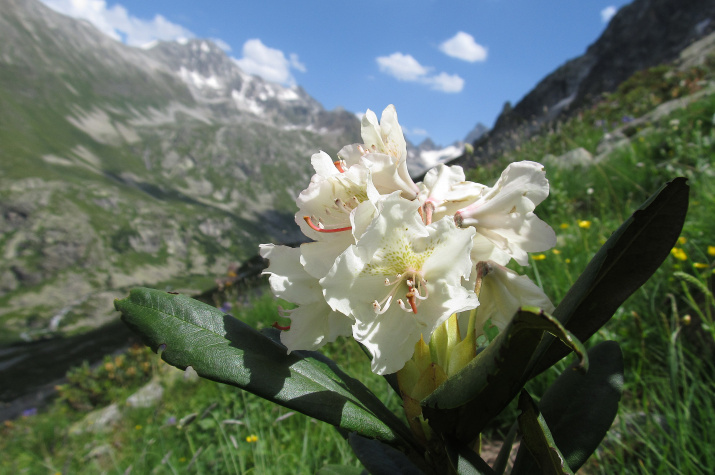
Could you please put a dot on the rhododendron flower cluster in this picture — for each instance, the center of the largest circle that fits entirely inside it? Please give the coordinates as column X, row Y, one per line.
column 392, row 259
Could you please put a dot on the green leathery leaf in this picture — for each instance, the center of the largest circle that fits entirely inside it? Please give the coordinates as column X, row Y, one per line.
column 625, row 262
column 381, row 459
column 221, row 348
column 503, row 457
column 580, row 408
column 464, row 460
column 536, row 436
column 465, row 402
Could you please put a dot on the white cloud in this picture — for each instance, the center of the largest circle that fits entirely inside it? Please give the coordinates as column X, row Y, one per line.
column 402, row 66
column 418, row 132
column 118, row 24
column 406, row 68
column 446, row 82
column 269, row 63
column 462, row 46
column 295, row 63
column 607, row 13
column 222, row 44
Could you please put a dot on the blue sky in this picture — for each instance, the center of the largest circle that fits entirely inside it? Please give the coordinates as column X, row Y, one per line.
column 446, row 65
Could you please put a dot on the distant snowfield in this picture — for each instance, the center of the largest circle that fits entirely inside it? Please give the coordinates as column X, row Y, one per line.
column 419, row 161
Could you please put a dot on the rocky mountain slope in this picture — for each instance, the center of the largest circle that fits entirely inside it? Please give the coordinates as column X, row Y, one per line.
column 122, row 166
column 642, row 34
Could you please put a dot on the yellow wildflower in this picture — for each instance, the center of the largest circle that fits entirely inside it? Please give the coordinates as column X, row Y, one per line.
column 556, row 251
column 584, row 224
column 567, row 261
column 679, row 254
column 137, row 427
column 682, row 240
column 539, row 257
column 700, row 265
column 182, row 459
column 711, row 250
column 564, row 225
column 251, row 438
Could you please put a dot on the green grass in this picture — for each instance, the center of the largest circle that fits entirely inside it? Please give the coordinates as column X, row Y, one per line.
column 665, row 329
column 154, row 440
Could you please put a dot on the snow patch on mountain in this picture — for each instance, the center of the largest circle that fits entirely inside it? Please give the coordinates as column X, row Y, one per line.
column 199, row 81
column 427, row 155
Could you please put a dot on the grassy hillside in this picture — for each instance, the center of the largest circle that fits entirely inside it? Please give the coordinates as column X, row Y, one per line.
column 666, row 329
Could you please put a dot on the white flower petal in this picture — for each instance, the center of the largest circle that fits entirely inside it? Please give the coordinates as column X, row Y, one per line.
column 287, row 277
column 448, row 191
column 504, row 214
column 385, row 137
column 503, row 292
column 351, row 154
column 318, row 257
column 323, row 165
column 403, row 276
column 329, row 202
column 314, row 325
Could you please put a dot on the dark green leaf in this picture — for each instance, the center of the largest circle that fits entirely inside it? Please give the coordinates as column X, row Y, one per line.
column 466, row 461
column 224, row 349
column 381, row 459
column 536, row 437
column 503, row 457
column 580, row 408
column 624, row 263
column 470, row 398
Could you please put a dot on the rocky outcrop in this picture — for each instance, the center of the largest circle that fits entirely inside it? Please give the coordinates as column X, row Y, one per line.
column 642, row 34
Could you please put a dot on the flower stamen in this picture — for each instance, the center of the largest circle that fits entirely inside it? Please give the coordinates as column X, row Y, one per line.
column 281, row 327
column 403, row 306
column 283, row 312
column 323, row 230
column 339, row 165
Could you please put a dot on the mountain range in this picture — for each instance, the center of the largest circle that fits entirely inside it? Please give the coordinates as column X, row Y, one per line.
column 166, row 165
column 124, row 166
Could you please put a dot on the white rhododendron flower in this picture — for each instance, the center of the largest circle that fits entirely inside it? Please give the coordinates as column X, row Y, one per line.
column 504, row 216
column 400, row 281
column 325, row 207
column 384, row 152
column 445, row 191
column 313, row 323
column 386, row 136
column 392, row 259
column 503, row 292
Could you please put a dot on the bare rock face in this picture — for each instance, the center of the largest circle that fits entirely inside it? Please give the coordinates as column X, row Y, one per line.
column 578, row 157
column 148, row 395
column 98, row 421
column 641, row 35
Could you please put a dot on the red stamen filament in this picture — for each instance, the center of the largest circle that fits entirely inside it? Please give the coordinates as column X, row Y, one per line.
column 411, row 300
column 322, row 230
column 281, row 327
column 339, row 166
column 427, row 218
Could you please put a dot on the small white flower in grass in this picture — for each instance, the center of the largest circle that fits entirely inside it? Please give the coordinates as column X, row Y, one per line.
column 503, row 292
column 400, row 281
column 504, row 216
column 313, row 323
